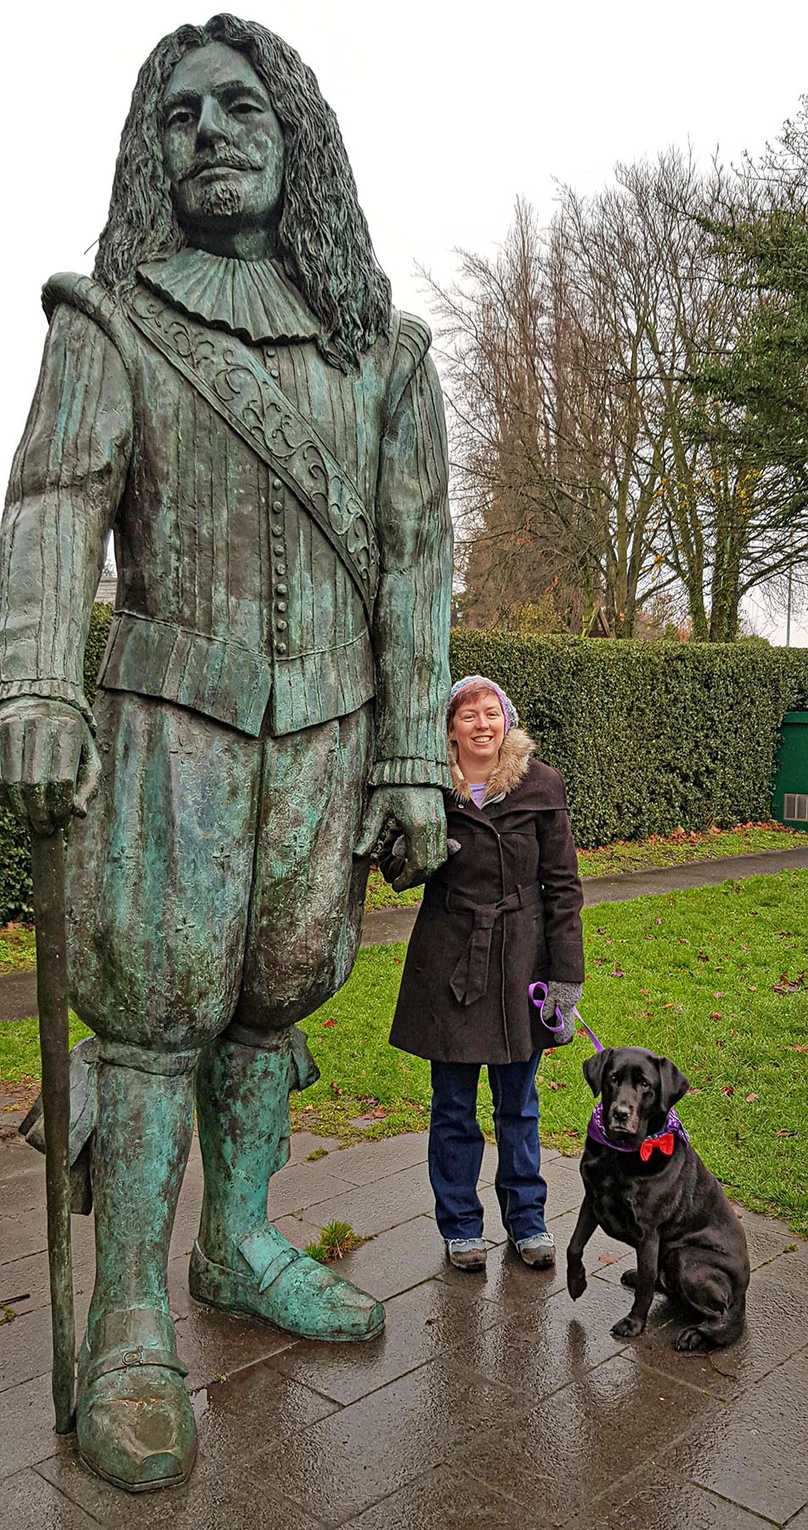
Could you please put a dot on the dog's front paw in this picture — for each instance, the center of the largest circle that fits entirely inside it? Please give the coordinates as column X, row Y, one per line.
column 628, row 1327
column 576, row 1280
column 690, row 1341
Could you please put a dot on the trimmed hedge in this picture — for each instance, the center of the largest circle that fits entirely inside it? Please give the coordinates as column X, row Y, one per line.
column 649, row 736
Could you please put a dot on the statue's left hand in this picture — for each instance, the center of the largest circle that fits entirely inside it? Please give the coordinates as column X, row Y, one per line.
column 419, row 813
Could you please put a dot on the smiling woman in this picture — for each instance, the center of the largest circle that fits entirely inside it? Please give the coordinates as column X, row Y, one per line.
column 502, row 911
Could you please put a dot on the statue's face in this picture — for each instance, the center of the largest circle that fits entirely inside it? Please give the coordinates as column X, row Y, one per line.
column 222, row 143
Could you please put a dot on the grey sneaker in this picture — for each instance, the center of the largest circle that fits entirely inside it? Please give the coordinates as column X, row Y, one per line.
column 466, row 1253
column 538, row 1250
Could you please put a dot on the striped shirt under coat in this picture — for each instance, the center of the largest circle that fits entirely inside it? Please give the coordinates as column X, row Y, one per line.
column 501, row 912
column 231, row 600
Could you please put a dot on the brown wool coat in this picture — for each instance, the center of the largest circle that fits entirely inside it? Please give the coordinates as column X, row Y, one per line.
column 463, row 994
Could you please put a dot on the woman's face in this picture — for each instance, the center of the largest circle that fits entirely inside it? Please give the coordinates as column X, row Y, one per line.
column 478, row 728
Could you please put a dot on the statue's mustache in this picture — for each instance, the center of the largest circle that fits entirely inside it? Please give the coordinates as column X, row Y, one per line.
column 234, row 159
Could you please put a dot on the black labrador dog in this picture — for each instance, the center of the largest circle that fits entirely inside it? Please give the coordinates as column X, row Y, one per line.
column 661, row 1200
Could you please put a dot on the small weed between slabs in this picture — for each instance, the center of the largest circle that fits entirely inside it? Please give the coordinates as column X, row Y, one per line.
column 317, row 1153
column 335, row 1241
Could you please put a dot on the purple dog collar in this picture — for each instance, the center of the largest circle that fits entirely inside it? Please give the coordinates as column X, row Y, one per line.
column 673, row 1127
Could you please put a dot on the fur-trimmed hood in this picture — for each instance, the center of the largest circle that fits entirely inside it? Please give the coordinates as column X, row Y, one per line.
column 514, row 759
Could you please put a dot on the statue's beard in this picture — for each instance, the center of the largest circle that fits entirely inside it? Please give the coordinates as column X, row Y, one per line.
column 220, row 199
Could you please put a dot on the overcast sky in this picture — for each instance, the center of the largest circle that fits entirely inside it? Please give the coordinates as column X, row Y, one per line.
column 449, row 109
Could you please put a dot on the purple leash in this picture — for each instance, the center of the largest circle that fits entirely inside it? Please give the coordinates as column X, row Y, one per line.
column 595, row 1128
column 558, row 1029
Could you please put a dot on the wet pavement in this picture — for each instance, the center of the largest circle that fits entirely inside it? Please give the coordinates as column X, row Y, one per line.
column 490, row 1401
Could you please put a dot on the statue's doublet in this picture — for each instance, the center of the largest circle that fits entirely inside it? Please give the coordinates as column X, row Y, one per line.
column 232, row 598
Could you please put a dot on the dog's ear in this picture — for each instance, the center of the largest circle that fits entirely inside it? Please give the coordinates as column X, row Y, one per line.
column 595, row 1067
column 672, row 1084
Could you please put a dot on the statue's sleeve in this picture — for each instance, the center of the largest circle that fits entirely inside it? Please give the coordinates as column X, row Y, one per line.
column 66, row 482
column 413, row 603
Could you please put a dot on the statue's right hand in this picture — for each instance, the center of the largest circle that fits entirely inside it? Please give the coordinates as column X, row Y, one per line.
column 49, row 765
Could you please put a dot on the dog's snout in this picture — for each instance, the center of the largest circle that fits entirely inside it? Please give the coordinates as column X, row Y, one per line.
column 619, row 1114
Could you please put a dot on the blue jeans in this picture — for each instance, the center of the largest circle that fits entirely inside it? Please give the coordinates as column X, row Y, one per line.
column 456, row 1148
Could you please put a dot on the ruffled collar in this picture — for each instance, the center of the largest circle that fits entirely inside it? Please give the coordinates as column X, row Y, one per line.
column 253, row 299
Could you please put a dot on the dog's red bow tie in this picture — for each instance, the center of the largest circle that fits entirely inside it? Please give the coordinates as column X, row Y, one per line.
column 665, row 1143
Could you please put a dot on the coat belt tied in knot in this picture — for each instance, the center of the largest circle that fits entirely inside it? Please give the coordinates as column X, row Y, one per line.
column 469, row 980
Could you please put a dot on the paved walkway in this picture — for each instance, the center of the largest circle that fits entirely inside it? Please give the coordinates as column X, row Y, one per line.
column 490, row 1402
column 385, row 926
column 388, row 926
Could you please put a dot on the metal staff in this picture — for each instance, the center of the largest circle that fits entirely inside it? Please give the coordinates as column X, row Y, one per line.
column 48, row 873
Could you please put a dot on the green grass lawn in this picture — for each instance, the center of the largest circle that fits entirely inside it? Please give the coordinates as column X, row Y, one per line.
column 17, row 953
column 641, row 855
column 716, row 978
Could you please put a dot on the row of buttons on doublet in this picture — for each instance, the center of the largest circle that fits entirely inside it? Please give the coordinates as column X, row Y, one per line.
column 278, row 558
column 280, row 590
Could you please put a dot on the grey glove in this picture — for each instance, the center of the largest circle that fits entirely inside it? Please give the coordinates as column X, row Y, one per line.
column 391, row 854
column 562, row 997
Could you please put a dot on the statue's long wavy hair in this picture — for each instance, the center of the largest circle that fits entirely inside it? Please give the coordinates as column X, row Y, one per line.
column 323, row 237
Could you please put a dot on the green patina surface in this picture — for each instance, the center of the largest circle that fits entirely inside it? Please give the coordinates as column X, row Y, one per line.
column 233, row 396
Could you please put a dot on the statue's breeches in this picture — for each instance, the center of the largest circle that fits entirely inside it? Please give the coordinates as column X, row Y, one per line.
column 213, row 879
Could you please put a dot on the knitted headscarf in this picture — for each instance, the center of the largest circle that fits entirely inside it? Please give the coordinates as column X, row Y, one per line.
column 481, row 682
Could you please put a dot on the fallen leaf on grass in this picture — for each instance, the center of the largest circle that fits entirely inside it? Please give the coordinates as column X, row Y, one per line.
column 617, row 972
column 328, row 1024
column 750, row 1097
column 784, row 984
column 728, row 1089
column 798, row 1048
column 783, row 1132
column 715, row 1014
column 554, row 1083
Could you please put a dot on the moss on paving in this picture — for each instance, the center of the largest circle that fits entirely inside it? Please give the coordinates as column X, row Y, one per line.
column 716, row 978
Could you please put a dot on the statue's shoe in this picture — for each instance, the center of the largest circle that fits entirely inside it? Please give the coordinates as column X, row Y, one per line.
column 134, row 1421
column 280, row 1285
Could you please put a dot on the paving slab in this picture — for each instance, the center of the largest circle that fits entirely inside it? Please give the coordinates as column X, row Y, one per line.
column 656, row 1499
column 421, row 1324
column 489, row 1399
column 29, row 1502
column 372, row 1447
column 441, row 1500
column 225, row 1492
column 555, row 1460
column 366, row 1162
column 373, row 1209
column 753, row 1453
column 397, row 1259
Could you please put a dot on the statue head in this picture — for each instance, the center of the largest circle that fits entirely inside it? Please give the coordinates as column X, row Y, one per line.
column 227, row 127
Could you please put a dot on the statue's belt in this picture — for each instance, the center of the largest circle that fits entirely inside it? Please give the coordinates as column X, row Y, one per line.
column 233, row 381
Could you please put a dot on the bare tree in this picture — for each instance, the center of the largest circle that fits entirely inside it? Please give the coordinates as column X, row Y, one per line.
column 590, row 473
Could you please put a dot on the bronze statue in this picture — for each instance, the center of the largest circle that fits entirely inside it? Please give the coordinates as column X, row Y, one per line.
column 233, row 395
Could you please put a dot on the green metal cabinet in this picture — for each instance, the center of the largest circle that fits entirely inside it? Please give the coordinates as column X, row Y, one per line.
column 790, row 805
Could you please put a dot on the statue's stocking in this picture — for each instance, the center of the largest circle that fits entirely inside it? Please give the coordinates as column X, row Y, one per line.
column 134, row 1419
column 241, row 1262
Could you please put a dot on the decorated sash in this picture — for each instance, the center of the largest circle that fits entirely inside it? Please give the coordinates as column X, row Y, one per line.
column 232, row 379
